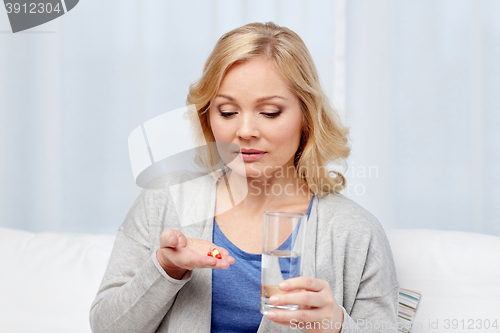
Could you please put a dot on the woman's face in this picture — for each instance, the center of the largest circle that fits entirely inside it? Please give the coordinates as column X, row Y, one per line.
column 255, row 110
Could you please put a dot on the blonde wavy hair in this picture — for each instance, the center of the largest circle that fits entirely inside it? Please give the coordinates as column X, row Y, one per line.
column 324, row 139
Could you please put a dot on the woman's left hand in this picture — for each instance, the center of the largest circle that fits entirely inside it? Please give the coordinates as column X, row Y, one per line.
column 319, row 312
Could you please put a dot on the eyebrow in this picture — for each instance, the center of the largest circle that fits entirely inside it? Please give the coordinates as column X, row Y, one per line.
column 260, row 100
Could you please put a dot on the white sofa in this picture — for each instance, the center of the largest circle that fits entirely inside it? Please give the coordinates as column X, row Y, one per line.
column 48, row 280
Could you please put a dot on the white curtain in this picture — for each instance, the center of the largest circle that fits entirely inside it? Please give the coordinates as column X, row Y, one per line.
column 417, row 82
column 423, row 83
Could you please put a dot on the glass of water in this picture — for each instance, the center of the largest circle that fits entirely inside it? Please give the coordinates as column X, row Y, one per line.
column 282, row 254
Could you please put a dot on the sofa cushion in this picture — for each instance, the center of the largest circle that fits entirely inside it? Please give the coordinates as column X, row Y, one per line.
column 49, row 280
column 457, row 273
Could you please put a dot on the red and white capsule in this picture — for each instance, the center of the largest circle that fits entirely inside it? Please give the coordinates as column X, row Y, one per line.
column 214, row 253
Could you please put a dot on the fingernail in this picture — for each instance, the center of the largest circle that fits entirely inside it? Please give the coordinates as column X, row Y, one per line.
column 271, row 315
column 283, row 285
column 273, row 299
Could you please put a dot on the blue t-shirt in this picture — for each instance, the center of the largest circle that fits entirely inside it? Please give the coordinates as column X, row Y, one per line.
column 236, row 290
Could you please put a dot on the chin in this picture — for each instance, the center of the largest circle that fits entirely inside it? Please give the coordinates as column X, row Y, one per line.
column 248, row 170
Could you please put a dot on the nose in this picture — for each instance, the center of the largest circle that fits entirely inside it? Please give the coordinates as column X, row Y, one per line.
column 248, row 127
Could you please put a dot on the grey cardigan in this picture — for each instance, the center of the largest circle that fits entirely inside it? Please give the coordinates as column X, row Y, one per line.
column 345, row 245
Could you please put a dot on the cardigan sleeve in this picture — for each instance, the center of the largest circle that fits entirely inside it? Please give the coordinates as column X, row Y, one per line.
column 374, row 308
column 356, row 259
column 135, row 293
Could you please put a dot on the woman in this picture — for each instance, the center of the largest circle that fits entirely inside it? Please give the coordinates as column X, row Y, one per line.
column 259, row 92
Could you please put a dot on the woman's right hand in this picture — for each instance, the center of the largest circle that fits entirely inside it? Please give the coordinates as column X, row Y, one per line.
column 178, row 254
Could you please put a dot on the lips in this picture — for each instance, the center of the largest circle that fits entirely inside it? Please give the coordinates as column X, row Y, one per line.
column 250, row 155
column 251, row 151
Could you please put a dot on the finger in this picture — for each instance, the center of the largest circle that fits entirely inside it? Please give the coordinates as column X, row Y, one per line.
column 304, row 282
column 168, row 238
column 224, row 262
column 173, row 238
column 287, row 317
column 186, row 259
column 230, row 260
column 195, row 260
column 303, row 298
column 200, row 261
column 181, row 239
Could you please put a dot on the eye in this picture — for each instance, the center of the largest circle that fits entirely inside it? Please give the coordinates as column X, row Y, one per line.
column 272, row 114
column 226, row 114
